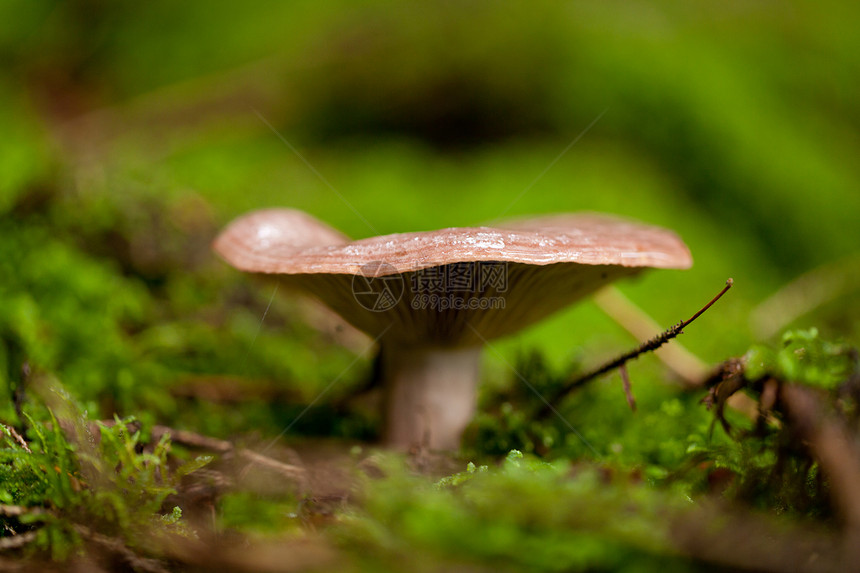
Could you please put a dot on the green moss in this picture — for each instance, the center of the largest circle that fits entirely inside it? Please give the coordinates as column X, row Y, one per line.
column 805, row 358
column 257, row 514
column 107, row 484
column 523, row 515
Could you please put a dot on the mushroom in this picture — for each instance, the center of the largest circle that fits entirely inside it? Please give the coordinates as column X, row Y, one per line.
column 433, row 299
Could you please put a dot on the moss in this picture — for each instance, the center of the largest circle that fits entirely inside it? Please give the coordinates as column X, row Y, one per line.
column 524, row 514
column 73, row 483
column 803, row 357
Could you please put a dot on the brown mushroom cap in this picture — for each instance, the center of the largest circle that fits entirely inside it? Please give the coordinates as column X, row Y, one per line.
column 549, row 262
column 286, row 241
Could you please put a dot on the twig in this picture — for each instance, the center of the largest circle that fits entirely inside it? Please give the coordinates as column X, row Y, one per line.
column 831, row 443
column 119, row 548
column 691, row 371
column 192, row 440
column 748, row 541
column 723, row 385
column 648, row 346
column 17, row 541
column 804, row 294
column 19, row 395
column 688, row 367
column 13, row 433
column 198, row 441
column 628, row 392
column 18, row 510
column 284, row 553
column 289, row 470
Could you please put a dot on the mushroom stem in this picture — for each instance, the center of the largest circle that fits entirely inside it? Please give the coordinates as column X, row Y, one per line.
column 429, row 395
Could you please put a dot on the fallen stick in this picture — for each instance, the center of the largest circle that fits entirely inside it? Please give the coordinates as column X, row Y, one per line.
column 199, row 441
column 647, row 346
column 688, row 367
column 831, row 443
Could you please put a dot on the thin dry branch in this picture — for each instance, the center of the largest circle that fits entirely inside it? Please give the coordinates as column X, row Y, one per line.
column 18, row 510
column 628, row 390
column 804, row 294
column 193, row 440
column 688, row 367
column 198, row 441
column 17, row 541
column 748, row 541
column 831, row 443
column 647, row 346
column 826, row 436
column 14, row 434
column 117, row 547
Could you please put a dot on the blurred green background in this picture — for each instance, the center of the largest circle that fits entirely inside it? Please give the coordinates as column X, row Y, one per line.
column 132, row 132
